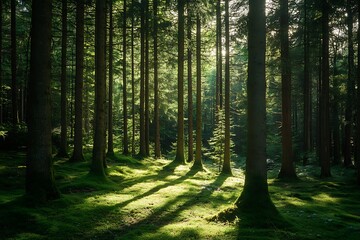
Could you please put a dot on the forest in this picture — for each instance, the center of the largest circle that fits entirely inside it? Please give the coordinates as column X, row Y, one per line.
column 187, row 119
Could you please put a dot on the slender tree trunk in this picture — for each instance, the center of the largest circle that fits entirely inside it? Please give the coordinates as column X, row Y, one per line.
column 287, row 164
column 190, row 88
column 142, row 152
column 324, row 95
column 255, row 194
column 218, row 55
column 357, row 138
column 226, row 164
column 79, row 79
column 63, row 141
column 132, row 85
column 198, row 158
column 98, row 158
column 180, row 116
column 110, row 146
column 335, row 114
column 14, row 82
column 1, row 57
column 147, row 94
column 125, row 115
column 156, row 84
column 350, row 85
column 40, row 182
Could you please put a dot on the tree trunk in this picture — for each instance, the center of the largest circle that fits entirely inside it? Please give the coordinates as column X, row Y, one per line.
column 218, row 57
column 255, row 195
column 132, row 85
column 147, row 96
column 156, row 85
column 14, row 82
column 110, row 147
column 357, row 139
column 1, row 57
column 142, row 152
column 180, row 116
column 40, row 182
column 63, row 141
column 335, row 114
column 324, row 95
column 287, row 164
column 125, row 116
column 190, row 88
column 79, row 79
column 226, row 169
column 198, row 158
column 98, row 158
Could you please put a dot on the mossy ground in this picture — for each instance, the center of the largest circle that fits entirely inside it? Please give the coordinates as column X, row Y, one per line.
column 144, row 200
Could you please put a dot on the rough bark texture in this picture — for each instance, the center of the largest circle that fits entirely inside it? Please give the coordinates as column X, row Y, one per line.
column 1, row 57
column 357, row 139
column 142, row 152
column 79, row 79
column 63, row 136
column 218, row 57
column 14, row 82
column 132, row 86
column 287, row 164
column 40, row 183
column 110, row 146
column 324, row 95
column 190, row 88
column 226, row 169
column 125, row 116
column 98, row 158
column 255, row 194
column 180, row 116
column 147, row 92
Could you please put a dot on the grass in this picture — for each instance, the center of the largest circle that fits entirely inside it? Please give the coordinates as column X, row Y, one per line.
column 143, row 200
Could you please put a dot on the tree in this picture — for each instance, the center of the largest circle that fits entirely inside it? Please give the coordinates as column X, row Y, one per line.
column 98, row 158
column 147, row 88
column 255, row 195
column 142, row 152
column 1, row 58
column 324, row 95
column 180, row 116
column 40, row 183
column 79, row 82
column 190, row 87
column 219, row 97
column 357, row 138
column 14, row 82
column 156, row 84
column 63, row 141
column 226, row 163
column 110, row 151
column 125, row 117
column 287, row 166
column 132, row 85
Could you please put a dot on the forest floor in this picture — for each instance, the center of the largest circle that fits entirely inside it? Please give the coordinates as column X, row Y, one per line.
column 140, row 200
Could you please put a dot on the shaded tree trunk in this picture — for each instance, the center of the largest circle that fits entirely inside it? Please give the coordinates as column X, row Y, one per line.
column 125, row 116
column 40, row 182
column 156, row 84
column 79, row 81
column 324, row 95
column 226, row 169
column 98, row 158
column 1, row 58
column 147, row 94
column 190, row 88
column 218, row 57
column 14, row 81
column 335, row 114
column 357, row 139
column 63, row 141
column 287, row 164
column 132, row 85
column 180, row 116
column 110, row 147
column 142, row 152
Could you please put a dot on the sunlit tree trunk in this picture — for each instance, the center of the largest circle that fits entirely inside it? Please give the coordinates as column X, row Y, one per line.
column 226, row 163
column 198, row 158
column 79, row 79
column 190, row 87
column 156, row 84
column 255, row 195
column 287, row 164
column 110, row 143
column 125, row 115
column 98, row 158
column 147, row 92
column 40, row 182
column 324, row 95
column 63, row 141
column 14, row 81
column 219, row 66
column 180, row 116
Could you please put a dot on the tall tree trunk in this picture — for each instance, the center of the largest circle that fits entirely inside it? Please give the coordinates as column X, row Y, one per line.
column 156, row 84
column 147, row 94
column 132, row 85
column 40, row 182
column 226, row 164
column 307, row 90
column 110, row 146
column 190, row 88
column 350, row 85
column 218, row 57
column 255, row 195
column 79, row 79
column 180, row 116
column 142, row 152
column 324, row 95
column 198, row 158
column 63, row 141
column 14, row 82
column 287, row 164
column 357, row 139
column 335, row 114
column 1, row 57
column 98, row 158
column 125, row 116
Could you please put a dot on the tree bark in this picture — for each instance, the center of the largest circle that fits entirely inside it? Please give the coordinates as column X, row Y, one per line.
column 63, row 140
column 190, row 88
column 147, row 92
column 142, row 152
column 110, row 147
column 1, row 57
column 98, row 158
column 14, row 82
column 226, row 169
column 218, row 57
column 79, row 79
column 287, row 164
column 40, row 183
column 125, row 115
column 132, row 85
column 357, row 139
column 335, row 114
